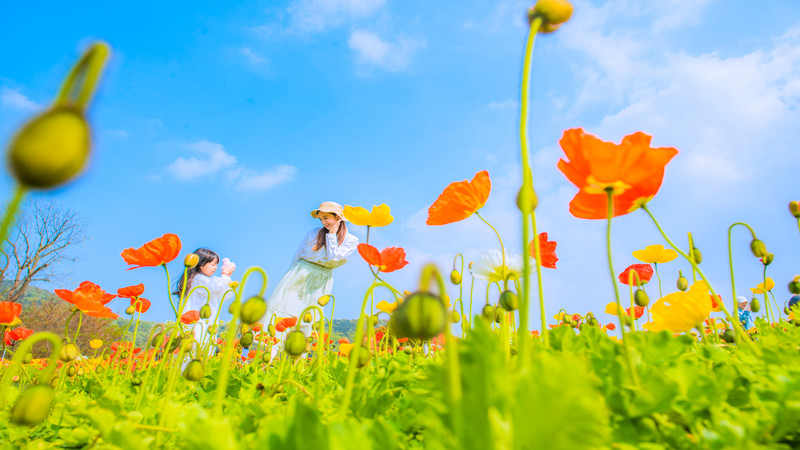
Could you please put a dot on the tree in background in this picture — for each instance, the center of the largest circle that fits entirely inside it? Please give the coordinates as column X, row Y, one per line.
column 39, row 248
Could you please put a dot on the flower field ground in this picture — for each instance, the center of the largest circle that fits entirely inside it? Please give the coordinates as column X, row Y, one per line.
column 439, row 366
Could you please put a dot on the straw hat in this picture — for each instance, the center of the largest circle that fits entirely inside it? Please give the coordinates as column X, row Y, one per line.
column 329, row 207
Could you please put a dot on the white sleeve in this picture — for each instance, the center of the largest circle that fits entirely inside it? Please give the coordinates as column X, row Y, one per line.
column 303, row 248
column 336, row 252
column 216, row 285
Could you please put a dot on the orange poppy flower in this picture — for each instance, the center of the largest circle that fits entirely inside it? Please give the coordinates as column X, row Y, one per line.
column 632, row 169
column 154, row 253
column 387, row 260
column 17, row 334
column 131, row 291
column 460, row 200
column 611, row 326
column 90, row 299
column 547, row 249
column 190, row 317
column 644, row 271
column 143, row 305
column 9, row 313
column 286, row 323
column 344, row 340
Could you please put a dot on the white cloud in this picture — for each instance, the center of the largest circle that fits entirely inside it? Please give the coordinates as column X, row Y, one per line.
column 253, row 57
column 16, row 100
column 371, row 50
column 318, row 15
column 252, row 181
column 212, row 158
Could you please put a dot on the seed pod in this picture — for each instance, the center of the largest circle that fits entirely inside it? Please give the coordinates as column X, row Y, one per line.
column 51, row 149
column 488, row 312
column 455, row 317
column 794, row 208
column 698, row 257
column 247, row 339
column 308, row 317
column 421, row 316
column 794, row 285
column 499, row 313
column 509, row 300
column 295, row 343
column 755, row 305
column 253, row 310
column 324, row 300
column 640, row 297
column 455, row 277
column 68, row 352
column 130, row 310
column 527, row 201
column 683, row 283
column 194, row 371
column 767, row 259
column 191, row 260
column 758, row 248
column 33, row 405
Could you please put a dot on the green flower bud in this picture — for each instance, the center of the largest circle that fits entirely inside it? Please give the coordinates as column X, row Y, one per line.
column 363, row 354
column 640, row 297
column 758, row 248
column 455, row 317
column 527, row 201
column 794, row 208
column 794, row 285
column 683, row 283
column 455, row 277
column 28, row 358
column 130, row 310
column 408, row 350
column 194, row 371
column 767, row 259
column 487, row 312
column 191, row 260
column 158, row 339
column 205, row 311
column 295, row 343
column 68, row 352
column 271, row 330
column 698, row 257
column 509, row 300
column 755, row 305
column 421, row 316
column 499, row 313
column 552, row 12
column 71, row 371
column 253, row 310
column 33, row 405
column 247, row 339
column 324, row 300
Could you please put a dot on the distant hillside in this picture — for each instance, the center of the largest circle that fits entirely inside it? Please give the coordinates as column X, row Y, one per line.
column 36, row 298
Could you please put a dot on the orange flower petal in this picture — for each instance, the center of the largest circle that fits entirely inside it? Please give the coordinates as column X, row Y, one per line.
column 460, row 200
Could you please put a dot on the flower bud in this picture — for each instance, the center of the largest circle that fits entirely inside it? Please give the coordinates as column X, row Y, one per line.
column 191, row 260
column 422, row 316
column 271, row 330
column 527, row 201
column 51, row 149
column 640, row 297
column 455, row 277
column 509, row 300
column 552, row 12
column 324, row 300
column 158, row 339
column 794, row 285
column 295, row 343
column 566, row 318
column 28, row 358
column 68, row 352
column 130, row 310
column 33, row 405
column 194, row 371
column 683, row 283
column 79, row 372
column 374, row 319
column 205, row 311
column 487, row 312
column 71, row 371
column 247, row 339
column 308, row 317
column 755, row 305
column 698, row 257
column 363, row 353
column 758, row 248
column 767, row 259
column 794, row 208
column 212, row 330
column 253, row 310
column 233, row 284
column 499, row 313
column 455, row 317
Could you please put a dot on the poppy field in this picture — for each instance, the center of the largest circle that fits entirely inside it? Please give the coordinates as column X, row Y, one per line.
column 435, row 365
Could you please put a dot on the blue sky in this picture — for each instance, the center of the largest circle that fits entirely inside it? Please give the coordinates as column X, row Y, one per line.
column 226, row 124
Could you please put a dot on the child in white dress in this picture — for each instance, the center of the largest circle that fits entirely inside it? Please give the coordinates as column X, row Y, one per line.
column 203, row 275
column 310, row 275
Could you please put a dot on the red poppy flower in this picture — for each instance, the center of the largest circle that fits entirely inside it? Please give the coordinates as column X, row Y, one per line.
column 142, row 306
column 632, row 170
column 131, row 291
column 9, row 313
column 154, row 253
column 547, row 249
column 21, row 333
column 286, row 323
column 90, row 299
column 402, row 340
column 611, row 326
column 644, row 271
column 535, row 333
column 387, row 260
column 638, row 311
column 344, row 340
column 460, row 200
column 190, row 317
column 378, row 336
column 716, row 303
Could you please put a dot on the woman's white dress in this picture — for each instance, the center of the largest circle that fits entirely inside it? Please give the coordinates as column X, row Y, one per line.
column 309, row 277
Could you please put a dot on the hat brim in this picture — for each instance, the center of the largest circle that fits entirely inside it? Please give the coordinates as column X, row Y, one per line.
column 315, row 213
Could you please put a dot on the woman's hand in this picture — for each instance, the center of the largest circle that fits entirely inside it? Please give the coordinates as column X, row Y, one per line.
column 335, row 227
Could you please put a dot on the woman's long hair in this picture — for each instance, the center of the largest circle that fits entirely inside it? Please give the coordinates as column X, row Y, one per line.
column 206, row 256
column 340, row 234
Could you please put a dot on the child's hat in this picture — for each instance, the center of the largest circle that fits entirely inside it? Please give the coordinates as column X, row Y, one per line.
column 741, row 299
column 329, row 207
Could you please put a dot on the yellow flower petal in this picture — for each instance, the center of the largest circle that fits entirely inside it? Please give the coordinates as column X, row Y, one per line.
column 95, row 343
column 655, row 254
column 386, row 307
column 380, row 216
column 681, row 311
column 345, row 348
column 759, row 289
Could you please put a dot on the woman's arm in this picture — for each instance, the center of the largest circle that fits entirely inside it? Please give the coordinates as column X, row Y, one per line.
column 336, row 252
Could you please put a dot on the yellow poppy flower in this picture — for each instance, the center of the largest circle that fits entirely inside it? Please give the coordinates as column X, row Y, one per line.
column 681, row 311
column 655, row 254
column 759, row 289
column 95, row 343
column 345, row 348
column 378, row 217
column 386, row 307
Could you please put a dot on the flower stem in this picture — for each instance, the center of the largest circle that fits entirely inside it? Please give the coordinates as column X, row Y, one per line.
column 660, row 295
column 625, row 343
column 11, row 211
column 730, row 261
column 169, row 293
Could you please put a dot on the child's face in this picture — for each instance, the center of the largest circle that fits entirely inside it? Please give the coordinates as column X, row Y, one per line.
column 209, row 268
column 743, row 305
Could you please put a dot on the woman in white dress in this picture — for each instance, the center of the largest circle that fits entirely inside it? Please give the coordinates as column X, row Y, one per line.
column 310, row 275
